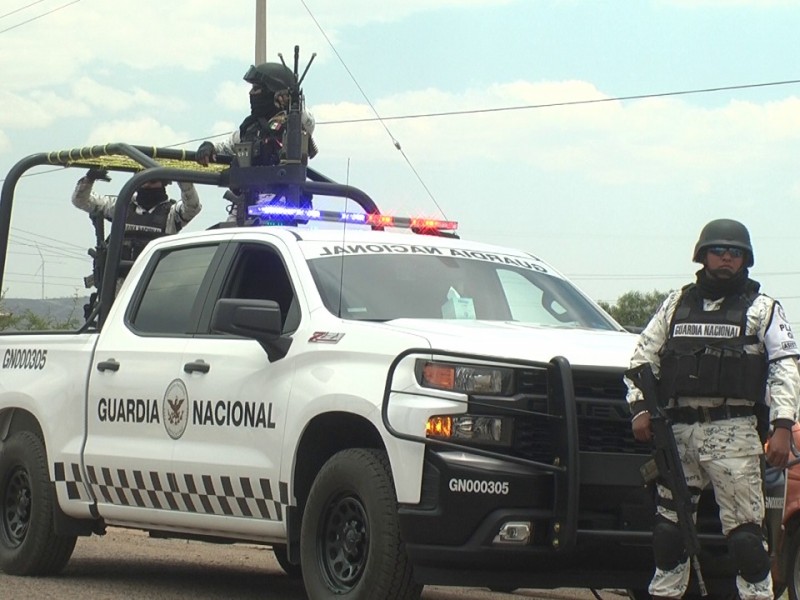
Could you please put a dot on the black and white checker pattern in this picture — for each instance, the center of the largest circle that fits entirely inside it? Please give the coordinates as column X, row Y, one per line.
column 68, row 478
column 206, row 494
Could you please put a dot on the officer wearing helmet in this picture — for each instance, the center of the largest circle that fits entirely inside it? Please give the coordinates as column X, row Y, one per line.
column 719, row 349
column 264, row 128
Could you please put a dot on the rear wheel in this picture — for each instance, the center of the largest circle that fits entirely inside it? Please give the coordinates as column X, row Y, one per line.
column 350, row 537
column 28, row 543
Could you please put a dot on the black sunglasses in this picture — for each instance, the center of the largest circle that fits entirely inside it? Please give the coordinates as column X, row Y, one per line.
column 721, row 250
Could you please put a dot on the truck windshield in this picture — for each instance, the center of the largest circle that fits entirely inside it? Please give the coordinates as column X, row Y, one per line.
column 382, row 287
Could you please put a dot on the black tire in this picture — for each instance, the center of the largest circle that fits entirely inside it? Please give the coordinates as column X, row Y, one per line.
column 350, row 544
column 282, row 556
column 28, row 543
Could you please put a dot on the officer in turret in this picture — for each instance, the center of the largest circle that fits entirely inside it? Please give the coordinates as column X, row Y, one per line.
column 264, row 128
column 717, row 346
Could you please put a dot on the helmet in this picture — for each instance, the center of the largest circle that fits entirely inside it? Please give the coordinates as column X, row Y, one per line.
column 273, row 76
column 723, row 232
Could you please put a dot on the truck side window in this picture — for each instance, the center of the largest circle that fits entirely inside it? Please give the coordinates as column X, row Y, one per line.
column 167, row 301
column 259, row 274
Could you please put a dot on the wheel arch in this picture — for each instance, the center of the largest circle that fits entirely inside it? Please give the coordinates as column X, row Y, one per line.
column 13, row 420
column 325, row 435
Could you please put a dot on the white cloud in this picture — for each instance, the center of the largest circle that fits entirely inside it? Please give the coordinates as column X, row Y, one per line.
column 643, row 141
column 147, row 34
column 232, row 95
column 114, row 99
column 141, row 131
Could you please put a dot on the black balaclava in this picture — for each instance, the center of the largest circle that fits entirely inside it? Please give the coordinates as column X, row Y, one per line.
column 147, row 198
column 712, row 288
column 263, row 104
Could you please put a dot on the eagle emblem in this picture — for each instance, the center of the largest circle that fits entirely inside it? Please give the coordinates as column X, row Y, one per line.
column 175, row 409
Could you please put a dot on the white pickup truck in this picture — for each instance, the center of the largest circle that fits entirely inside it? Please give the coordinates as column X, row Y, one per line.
column 385, row 409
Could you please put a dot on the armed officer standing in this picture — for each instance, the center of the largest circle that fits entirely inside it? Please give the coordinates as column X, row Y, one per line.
column 152, row 213
column 717, row 346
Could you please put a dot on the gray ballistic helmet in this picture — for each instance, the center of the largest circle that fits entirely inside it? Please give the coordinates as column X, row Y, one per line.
column 273, row 76
column 724, row 232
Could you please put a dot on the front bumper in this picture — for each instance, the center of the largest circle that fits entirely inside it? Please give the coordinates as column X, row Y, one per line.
column 452, row 535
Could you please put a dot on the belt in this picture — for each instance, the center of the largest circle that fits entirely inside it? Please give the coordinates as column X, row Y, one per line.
column 707, row 414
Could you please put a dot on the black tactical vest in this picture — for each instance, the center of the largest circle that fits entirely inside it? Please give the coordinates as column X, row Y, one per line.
column 266, row 137
column 704, row 354
column 142, row 228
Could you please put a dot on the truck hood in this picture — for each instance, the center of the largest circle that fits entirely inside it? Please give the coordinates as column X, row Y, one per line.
column 587, row 347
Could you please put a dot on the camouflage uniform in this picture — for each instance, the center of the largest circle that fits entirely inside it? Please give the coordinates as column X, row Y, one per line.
column 725, row 453
column 183, row 211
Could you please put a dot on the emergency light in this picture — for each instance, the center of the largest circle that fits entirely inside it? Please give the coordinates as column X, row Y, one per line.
column 277, row 213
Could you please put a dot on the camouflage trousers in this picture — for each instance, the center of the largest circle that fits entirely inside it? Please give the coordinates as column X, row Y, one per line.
column 725, row 454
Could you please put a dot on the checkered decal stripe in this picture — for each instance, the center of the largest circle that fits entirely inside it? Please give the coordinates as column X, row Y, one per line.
column 70, row 480
column 206, row 494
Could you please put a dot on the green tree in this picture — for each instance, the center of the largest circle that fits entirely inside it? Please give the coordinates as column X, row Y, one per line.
column 7, row 319
column 28, row 320
column 634, row 309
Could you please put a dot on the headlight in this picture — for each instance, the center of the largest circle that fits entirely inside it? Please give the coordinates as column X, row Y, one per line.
column 468, row 379
column 478, row 429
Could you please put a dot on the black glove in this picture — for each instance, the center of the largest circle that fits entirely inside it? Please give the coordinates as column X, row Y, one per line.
column 205, row 153
column 96, row 173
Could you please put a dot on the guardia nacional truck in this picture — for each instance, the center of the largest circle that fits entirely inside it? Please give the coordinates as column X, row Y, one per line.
column 384, row 404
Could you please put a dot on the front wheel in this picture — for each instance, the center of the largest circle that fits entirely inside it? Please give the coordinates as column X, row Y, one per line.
column 350, row 543
column 28, row 542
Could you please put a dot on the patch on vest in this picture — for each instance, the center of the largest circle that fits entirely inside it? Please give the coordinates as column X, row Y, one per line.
column 706, row 330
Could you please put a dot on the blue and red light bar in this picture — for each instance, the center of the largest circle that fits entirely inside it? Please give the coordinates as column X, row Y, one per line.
column 288, row 213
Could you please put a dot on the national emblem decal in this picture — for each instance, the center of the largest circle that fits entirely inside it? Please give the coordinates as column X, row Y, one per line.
column 176, row 409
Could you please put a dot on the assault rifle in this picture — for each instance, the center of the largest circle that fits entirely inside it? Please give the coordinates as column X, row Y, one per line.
column 98, row 254
column 668, row 462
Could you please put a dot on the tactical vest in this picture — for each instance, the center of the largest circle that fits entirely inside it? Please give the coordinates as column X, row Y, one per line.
column 704, row 354
column 142, row 228
column 266, row 137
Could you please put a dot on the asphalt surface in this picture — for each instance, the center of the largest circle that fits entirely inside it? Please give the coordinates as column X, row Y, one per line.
column 130, row 565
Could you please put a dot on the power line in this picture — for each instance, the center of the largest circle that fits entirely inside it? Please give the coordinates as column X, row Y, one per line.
column 39, row 236
column 452, row 113
column 395, row 143
column 20, row 8
column 39, row 16
column 491, row 110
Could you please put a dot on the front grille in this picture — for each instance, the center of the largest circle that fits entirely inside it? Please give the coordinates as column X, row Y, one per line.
column 603, row 416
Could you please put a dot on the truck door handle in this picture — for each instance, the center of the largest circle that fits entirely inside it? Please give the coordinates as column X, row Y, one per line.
column 197, row 366
column 108, row 365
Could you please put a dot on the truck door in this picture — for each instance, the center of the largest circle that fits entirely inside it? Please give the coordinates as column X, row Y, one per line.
column 231, row 446
column 134, row 387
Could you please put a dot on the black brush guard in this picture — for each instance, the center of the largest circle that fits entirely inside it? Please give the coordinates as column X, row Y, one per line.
column 562, row 415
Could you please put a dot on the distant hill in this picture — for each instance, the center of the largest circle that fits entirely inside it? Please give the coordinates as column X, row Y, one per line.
column 54, row 309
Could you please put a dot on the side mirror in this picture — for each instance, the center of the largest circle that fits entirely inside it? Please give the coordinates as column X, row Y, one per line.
column 259, row 320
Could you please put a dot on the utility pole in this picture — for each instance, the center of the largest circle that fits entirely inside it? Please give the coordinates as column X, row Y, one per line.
column 261, row 31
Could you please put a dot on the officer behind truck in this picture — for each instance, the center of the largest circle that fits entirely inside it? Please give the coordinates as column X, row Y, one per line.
column 151, row 214
column 266, row 124
column 717, row 346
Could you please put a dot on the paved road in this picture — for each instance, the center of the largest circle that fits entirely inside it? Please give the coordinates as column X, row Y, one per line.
column 127, row 564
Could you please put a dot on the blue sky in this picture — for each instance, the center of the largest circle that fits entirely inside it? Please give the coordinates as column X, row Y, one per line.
column 611, row 193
